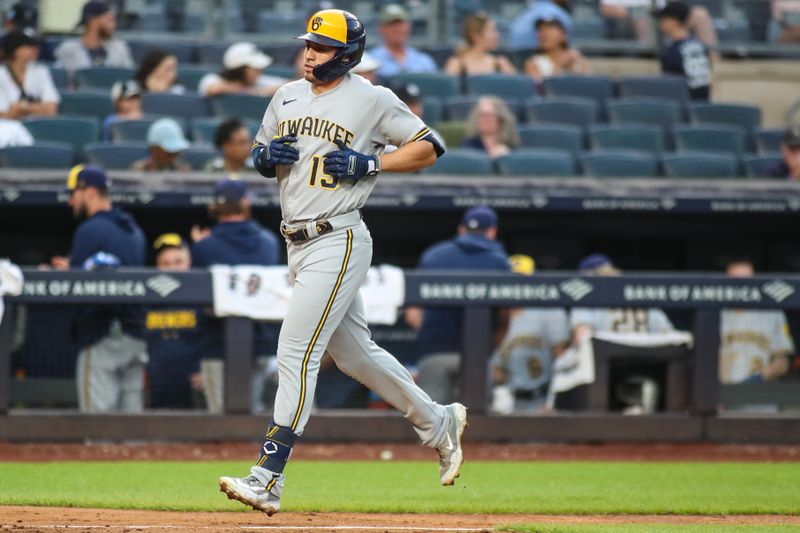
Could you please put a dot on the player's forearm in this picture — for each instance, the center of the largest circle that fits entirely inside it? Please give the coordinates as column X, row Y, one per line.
column 409, row 158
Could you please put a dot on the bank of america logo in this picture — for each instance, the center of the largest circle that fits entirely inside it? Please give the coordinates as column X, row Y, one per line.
column 576, row 288
column 163, row 285
column 778, row 290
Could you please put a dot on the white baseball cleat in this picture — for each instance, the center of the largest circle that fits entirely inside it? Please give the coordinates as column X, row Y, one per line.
column 252, row 491
column 450, row 455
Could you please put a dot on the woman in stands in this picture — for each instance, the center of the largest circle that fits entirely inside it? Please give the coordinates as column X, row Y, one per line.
column 554, row 56
column 491, row 127
column 158, row 73
column 243, row 66
column 26, row 87
column 481, row 38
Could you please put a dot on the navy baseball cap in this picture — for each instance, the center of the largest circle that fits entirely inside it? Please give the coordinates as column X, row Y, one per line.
column 82, row 176
column 24, row 17
column 480, row 217
column 92, row 9
column 595, row 261
column 674, row 10
column 229, row 191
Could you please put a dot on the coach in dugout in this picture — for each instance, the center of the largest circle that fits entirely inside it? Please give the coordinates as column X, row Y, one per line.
column 440, row 329
column 112, row 352
column 235, row 239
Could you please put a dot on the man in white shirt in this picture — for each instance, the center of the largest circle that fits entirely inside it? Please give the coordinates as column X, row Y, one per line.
column 97, row 46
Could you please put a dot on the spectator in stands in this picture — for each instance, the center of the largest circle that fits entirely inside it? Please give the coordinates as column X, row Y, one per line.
column 476, row 57
column 243, row 66
column 26, row 87
column 158, row 73
column 368, row 68
column 554, row 56
column 785, row 25
column 110, row 370
column 395, row 55
column 790, row 151
column 755, row 344
column 522, row 29
column 233, row 140
column 491, row 127
column 127, row 99
column 166, row 141
column 521, row 367
column 173, row 335
column 235, row 239
column 685, row 56
column 96, row 46
column 25, row 18
column 440, row 328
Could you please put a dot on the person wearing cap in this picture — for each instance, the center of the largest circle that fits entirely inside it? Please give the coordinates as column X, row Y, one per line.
column 235, row 239
column 685, row 56
column 96, row 46
column 475, row 57
column 25, row 17
column 522, row 35
column 173, row 337
column 158, row 73
column 492, row 128
column 166, row 141
column 243, row 65
column 521, row 367
column 368, row 68
column 789, row 167
column 127, row 99
column 440, row 328
column 26, row 87
column 395, row 55
column 555, row 56
column 233, row 140
column 112, row 353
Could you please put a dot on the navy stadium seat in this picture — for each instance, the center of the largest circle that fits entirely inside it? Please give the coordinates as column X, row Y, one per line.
column 190, row 75
column 77, row 131
column 101, row 77
column 432, row 110
column 760, row 166
column 39, row 155
column 663, row 113
column 721, row 138
column 458, row 107
column 554, row 136
column 700, row 165
column 619, row 164
column 430, row 84
column 115, row 156
column 563, row 110
column 641, row 138
column 131, row 130
column 597, row 88
column 60, row 77
column 198, row 156
column 744, row 116
column 665, row 87
column 505, row 86
column 211, row 53
column 533, row 162
column 174, row 105
column 239, row 105
column 768, row 140
column 281, row 23
column 93, row 104
column 462, row 161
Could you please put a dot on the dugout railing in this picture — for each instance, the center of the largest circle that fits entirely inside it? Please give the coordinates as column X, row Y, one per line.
column 702, row 294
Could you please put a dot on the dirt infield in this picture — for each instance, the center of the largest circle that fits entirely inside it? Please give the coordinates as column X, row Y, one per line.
column 246, row 451
column 46, row 519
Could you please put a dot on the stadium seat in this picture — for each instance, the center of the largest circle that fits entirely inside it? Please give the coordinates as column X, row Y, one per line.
column 86, row 103
column 432, row 110
column 769, row 140
column 700, row 165
column 759, row 166
column 553, row 136
column 458, row 107
column 462, row 161
column 60, row 78
column 579, row 112
column 430, row 84
column 588, row 28
column 440, row 53
column 115, row 156
column 664, row 87
column 619, row 164
column 744, row 116
column 721, row 138
column 76, row 131
column 283, row 53
column 198, row 156
column 174, row 105
column 202, row 129
column 101, row 77
column 239, row 105
column 184, row 52
column 541, row 162
column 211, row 54
column 640, row 138
column 131, row 130
column 597, row 88
column 39, row 155
column 190, row 75
column 453, row 132
column 281, row 22
column 505, row 86
column 663, row 113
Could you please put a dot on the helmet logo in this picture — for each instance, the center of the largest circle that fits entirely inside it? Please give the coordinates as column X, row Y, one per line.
column 316, row 23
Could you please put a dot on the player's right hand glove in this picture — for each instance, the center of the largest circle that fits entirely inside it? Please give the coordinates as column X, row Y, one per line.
column 278, row 152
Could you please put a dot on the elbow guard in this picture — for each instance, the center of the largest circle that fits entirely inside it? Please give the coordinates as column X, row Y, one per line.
column 437, row 146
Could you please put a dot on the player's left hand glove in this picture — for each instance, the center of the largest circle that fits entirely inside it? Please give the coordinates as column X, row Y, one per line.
column 347, row 163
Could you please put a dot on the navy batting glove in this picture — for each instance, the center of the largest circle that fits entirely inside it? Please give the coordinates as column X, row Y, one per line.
column 278, row 152
column 347, row 163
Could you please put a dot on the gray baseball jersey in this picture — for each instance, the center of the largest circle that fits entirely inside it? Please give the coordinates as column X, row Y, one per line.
column 622, row 320
column 748, row 340
column 367, row 118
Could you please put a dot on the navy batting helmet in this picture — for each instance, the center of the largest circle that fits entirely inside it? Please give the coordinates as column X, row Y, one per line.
column 339, row 29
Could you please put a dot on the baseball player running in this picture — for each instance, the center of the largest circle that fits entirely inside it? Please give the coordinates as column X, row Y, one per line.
column 323, row 138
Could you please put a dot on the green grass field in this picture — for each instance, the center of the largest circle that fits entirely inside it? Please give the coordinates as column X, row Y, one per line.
column 412, row 487
column 645, row 528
